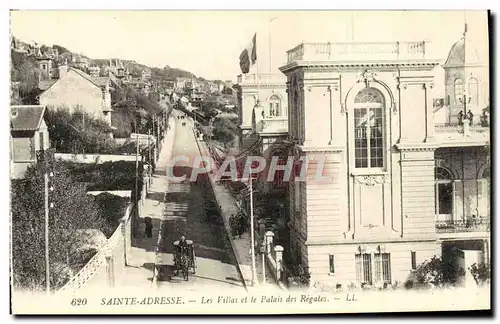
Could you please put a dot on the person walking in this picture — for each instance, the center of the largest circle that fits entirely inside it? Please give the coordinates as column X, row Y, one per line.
column 148, row 227
column 241, row 224
column 234, row 226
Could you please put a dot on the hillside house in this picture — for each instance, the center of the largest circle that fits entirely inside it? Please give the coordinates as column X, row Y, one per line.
column 75, row 88
column 28, row 134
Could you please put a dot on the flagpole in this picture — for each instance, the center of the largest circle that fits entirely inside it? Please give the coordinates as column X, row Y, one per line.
column 270, row 56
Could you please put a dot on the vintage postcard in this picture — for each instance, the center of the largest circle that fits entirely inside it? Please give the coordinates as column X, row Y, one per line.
column 249, row 162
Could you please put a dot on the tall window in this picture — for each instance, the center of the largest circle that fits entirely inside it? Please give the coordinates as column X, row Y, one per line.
column 444, row 191
column 274, row 106
column 383, row 267
column 364, row 268
column 459, row 90
column 369, row 129
column 473, row 89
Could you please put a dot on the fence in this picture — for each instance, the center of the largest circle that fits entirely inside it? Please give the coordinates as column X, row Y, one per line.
column 109, row 262
column 273, row 257
column 94, row 158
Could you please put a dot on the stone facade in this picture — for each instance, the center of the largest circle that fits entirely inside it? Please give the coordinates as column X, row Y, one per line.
column 370, row 119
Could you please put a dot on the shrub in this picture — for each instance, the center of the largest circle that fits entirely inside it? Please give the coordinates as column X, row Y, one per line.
column 111, row 209
column 409, row 284
column 437, row 272
column 480, row 272
column 119, row 175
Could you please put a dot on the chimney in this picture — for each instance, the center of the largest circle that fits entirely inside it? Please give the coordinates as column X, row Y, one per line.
column 63, row 69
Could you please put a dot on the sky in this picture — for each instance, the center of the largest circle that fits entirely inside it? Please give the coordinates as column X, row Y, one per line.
column 208, row 43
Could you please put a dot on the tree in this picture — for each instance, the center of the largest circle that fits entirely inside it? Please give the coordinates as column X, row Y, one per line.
column 225, row 130
column 78, row 132
column 73, row 210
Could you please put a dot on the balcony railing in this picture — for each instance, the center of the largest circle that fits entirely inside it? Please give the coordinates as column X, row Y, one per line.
column 266, row 78
column 459, row 128
column 463, row 226
column 358, row 51
column 274, row 125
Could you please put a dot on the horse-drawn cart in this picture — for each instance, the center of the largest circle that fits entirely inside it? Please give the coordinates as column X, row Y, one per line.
column 184, row 258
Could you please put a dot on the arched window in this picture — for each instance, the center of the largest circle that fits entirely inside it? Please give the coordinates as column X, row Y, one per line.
column 459, row 90
column 473, row 91
column 369, row 129
column 274, row 106
column 444, row 193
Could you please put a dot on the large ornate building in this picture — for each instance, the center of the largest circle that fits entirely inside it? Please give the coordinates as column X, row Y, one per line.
column 402, row 188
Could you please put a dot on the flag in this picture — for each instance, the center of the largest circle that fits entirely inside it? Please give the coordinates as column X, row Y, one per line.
column 249, row 55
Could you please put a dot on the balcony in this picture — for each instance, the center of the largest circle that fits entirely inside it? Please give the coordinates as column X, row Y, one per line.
column 359, row 51
column 274, row 125
column 265, row 78
column 456, row 134
column 479, row 225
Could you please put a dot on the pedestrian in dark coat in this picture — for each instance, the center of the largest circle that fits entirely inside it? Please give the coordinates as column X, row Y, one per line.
column 148, row 227
column 241, row 224
column 234, row 226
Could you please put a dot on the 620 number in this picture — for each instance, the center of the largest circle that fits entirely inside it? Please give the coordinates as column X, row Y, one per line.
column 79, row 302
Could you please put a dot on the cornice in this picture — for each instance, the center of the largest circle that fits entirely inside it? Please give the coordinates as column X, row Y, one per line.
column 268, row 85
column 417, row 147
column 379, row 65
column 320, row 149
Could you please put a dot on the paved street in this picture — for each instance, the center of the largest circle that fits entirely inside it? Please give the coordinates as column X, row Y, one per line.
column 185, row 213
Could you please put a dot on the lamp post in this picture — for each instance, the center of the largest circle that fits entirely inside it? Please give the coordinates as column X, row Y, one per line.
column 252, row 234
column 465, row 99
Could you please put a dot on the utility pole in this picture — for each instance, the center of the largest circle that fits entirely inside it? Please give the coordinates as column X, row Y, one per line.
column 47, row 254
column 252, row 235
column 263, row 252
column 137, row 172
column 83, row 121
column 44, row 165
column 158, row 135
column 149, row 147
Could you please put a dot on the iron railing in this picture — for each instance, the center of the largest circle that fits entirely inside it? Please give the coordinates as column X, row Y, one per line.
column 463, row 225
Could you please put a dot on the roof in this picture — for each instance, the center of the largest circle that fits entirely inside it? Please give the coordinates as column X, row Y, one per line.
column 45, row 84
column 101, row 81
column 464, row 52
column 88, row 77
column 26, row 118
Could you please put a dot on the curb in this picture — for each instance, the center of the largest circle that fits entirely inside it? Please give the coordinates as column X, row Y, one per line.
column 172, row 131
column 226, row 225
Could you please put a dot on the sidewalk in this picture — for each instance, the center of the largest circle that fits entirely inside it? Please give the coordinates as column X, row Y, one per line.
column 142, row 257
column 241, row 246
